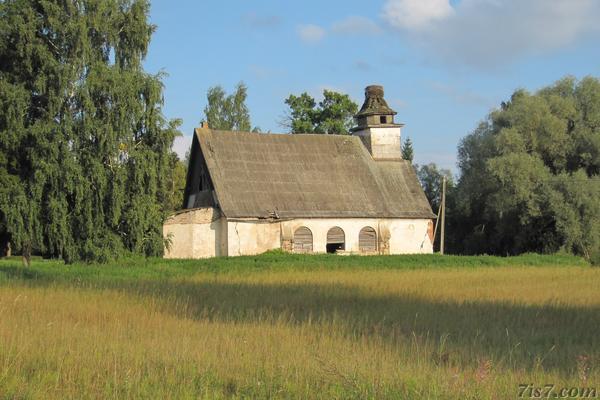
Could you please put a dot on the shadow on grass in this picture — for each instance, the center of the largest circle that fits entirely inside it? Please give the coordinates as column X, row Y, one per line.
column 519, row 335
column 515, row 335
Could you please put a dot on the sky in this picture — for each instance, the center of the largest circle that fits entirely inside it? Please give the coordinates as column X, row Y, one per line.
column 444, row 64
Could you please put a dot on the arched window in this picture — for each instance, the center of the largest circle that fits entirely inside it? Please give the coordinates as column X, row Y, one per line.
column 367, row 240
column 303, row 240
column 336, row 240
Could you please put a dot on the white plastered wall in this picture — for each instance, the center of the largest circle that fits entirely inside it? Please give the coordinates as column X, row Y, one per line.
column 196, row 233
column 252, row 237
column 410, row 236
column 406, row 236
column 385, row 142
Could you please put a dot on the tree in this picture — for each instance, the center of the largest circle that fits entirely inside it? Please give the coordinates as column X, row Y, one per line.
column 177, row 181
column 529, row 174
column 407, row 150
column 333, row 115
column 302, row 115
column 84, row 148
column 430, row 177
column 227, row 112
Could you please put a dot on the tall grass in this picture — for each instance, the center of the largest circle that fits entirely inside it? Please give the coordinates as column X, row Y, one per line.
column 278, row 326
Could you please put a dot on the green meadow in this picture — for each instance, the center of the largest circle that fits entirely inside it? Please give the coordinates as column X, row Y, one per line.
column 299, row 326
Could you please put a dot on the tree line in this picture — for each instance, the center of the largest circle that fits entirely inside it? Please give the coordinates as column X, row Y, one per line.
column 529, row 175
column 87, row 170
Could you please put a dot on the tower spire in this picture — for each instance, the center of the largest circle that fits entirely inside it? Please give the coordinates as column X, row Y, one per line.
column 376, row 127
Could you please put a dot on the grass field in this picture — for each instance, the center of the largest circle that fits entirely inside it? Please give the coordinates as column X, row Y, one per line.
column 292, row 326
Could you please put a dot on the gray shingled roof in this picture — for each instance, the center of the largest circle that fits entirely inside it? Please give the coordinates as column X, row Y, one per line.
column 307, row 176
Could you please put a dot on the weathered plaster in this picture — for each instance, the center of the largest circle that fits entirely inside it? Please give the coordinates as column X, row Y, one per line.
column 195, row 233
column 199, row 235
column 252, row 237
column 394, row 236
column 383, row 142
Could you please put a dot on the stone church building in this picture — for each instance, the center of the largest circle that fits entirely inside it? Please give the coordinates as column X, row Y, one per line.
column 247, row 193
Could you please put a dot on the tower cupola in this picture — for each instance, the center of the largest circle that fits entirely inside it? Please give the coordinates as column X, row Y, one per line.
column 375, row 110
column 376, row 127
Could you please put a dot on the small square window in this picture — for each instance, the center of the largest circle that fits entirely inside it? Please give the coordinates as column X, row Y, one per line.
column 383, row 119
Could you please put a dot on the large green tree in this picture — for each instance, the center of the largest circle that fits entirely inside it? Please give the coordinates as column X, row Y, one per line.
column 85, row 151
column 333, row 115
column 227, row 112
column 530, row 174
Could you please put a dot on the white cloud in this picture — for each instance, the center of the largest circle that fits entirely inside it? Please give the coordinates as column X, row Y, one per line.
column 488, row 33
column 355, row 25
column 416, row 14
column 311, row 33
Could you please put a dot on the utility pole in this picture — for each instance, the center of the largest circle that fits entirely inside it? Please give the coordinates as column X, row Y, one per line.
column 443, row 214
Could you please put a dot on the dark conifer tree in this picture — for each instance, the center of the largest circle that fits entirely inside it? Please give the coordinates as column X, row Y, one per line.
column 407, row 150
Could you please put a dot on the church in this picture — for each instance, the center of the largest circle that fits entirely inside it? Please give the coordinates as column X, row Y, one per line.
column 247, row 193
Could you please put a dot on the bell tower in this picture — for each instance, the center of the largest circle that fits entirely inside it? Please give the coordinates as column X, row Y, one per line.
column 376, row 127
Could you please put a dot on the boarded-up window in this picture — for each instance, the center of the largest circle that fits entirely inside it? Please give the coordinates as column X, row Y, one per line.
column 303, row 240
column 367, row 240
column 336, row 240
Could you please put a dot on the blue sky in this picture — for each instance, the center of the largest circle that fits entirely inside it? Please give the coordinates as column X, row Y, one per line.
column 444, row 64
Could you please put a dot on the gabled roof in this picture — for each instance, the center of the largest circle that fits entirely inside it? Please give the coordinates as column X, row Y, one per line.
column 307, row 176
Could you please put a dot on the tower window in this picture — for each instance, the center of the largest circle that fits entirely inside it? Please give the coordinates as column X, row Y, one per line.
column 383, row 119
